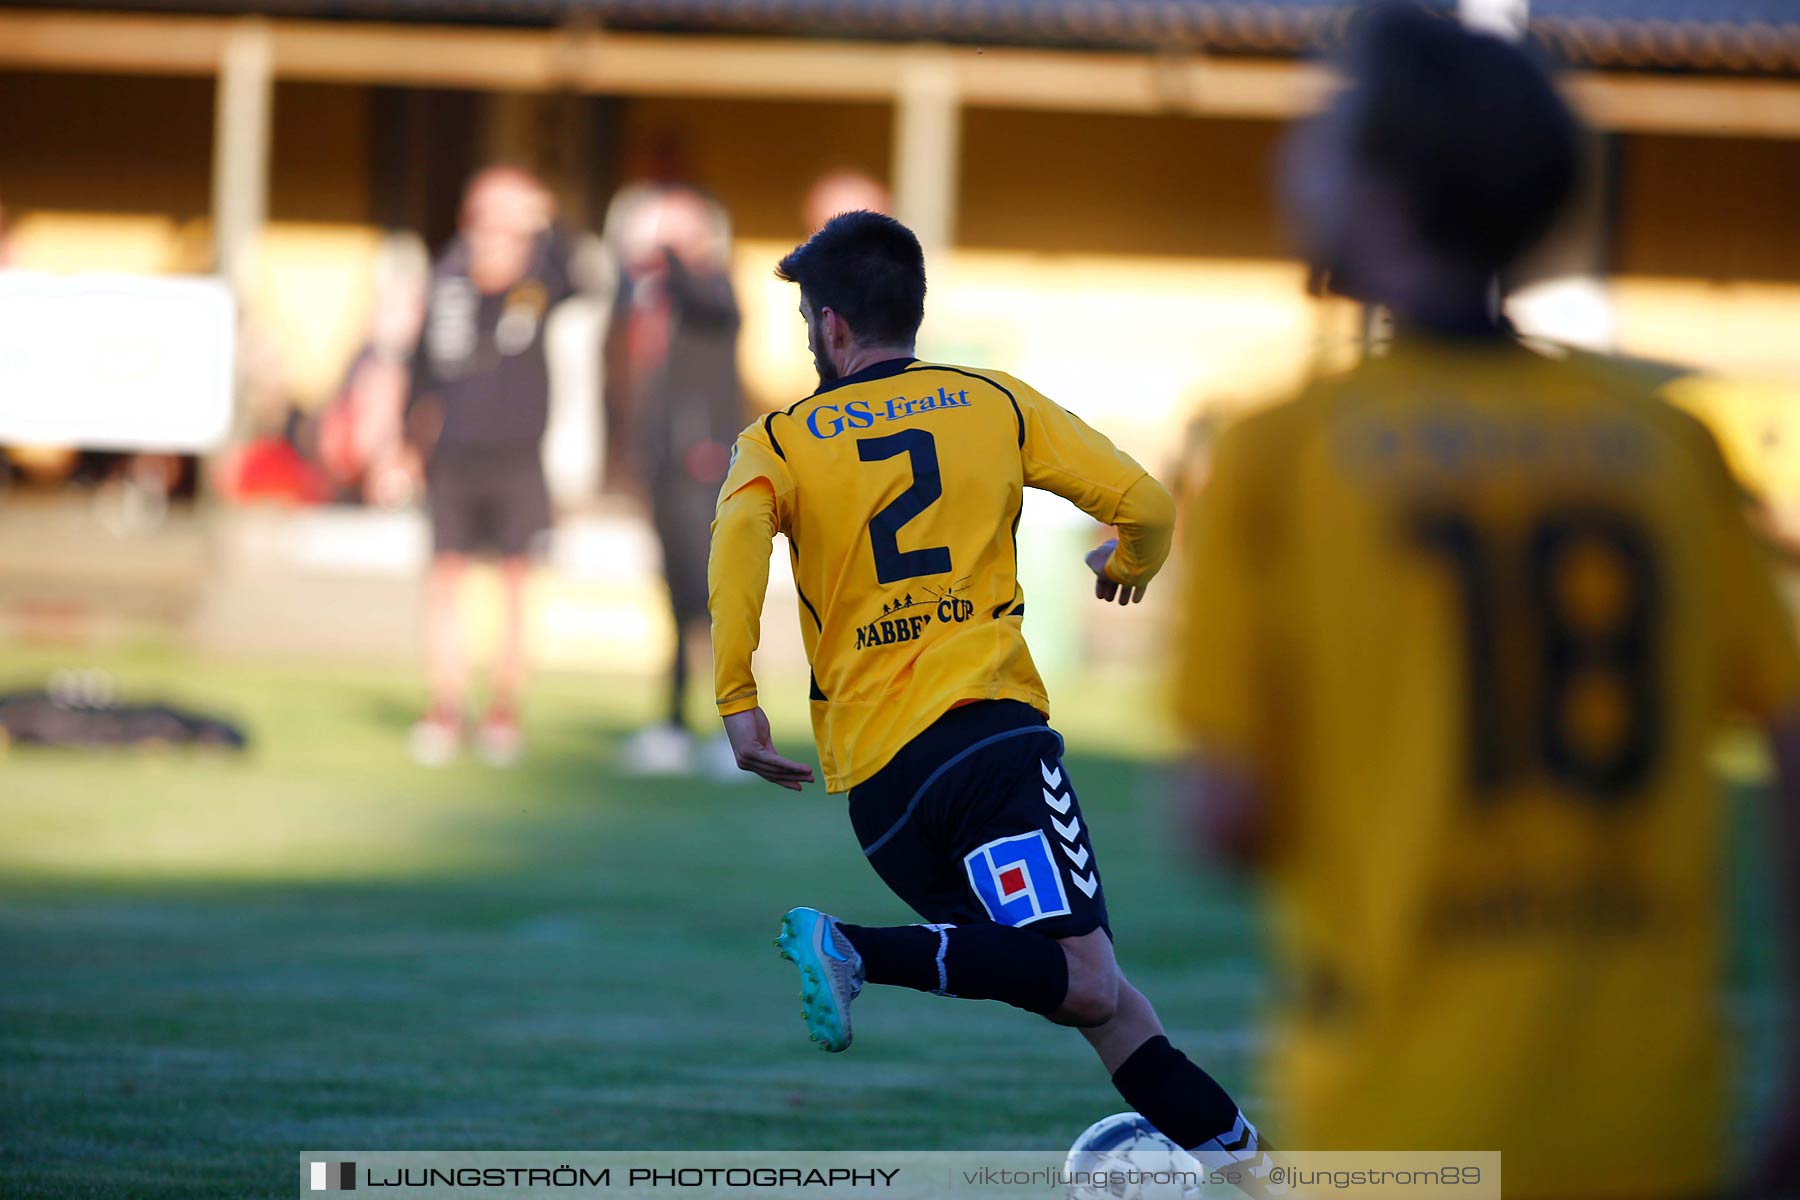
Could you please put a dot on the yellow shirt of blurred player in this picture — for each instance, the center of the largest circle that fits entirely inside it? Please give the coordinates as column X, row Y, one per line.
column 1473, row 617
column 899, row 489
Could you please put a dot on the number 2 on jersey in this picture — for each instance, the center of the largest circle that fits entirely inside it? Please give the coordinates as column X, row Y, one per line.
column 892, row 564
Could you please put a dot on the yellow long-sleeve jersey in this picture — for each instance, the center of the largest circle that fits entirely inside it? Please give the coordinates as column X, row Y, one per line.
column 1473, row 616
column 899, row 489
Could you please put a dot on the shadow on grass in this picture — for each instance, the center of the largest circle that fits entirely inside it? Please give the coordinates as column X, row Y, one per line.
column 210, row 970
column 555, row 957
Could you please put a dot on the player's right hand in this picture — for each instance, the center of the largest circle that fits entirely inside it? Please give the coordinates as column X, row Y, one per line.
column 751, row 742
column 1105, row 588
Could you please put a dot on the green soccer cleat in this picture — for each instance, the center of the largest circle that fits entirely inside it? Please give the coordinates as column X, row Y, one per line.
column 831, row 974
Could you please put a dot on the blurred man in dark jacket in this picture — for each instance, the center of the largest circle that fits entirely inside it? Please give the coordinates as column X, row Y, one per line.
column 676, row 404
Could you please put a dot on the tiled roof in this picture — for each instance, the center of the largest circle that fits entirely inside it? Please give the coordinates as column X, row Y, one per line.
column 1760, row 36
column 1719, row 35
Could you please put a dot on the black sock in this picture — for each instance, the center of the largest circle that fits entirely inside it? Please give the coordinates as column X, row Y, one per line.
column 1184, row 1102
column 976, row 962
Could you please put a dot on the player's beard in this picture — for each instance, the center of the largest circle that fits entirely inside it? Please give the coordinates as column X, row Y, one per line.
column 828, row 372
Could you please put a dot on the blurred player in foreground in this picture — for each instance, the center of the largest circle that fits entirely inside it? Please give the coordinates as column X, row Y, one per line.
column 899, row 485
column 1462, row 626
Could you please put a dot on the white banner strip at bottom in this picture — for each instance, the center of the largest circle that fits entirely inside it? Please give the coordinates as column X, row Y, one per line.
column 898, row 1175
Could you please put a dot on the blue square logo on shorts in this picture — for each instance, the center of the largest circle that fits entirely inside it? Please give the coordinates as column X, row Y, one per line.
column 1016, row 879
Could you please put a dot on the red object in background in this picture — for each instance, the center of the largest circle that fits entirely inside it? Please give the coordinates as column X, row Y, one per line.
column 708, row 462
column 271, row 469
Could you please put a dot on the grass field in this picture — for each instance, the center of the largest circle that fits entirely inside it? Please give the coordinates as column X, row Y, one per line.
column 210, row 965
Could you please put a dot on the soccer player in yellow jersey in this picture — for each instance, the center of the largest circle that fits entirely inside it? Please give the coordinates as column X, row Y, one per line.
column 1460, row 627
column 898, row 484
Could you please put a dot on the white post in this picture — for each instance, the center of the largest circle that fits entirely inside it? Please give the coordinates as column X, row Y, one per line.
column 927, row 143
column 241, row 135
column 1506, row 18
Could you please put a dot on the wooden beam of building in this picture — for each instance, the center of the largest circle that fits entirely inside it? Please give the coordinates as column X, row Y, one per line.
column 112, row 44
column 1704, row 106
column 603, row 62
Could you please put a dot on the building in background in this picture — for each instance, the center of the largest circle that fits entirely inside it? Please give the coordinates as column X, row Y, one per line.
column 1096, row 171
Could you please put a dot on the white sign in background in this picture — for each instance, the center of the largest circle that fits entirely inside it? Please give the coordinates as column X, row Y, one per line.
column 116, row 362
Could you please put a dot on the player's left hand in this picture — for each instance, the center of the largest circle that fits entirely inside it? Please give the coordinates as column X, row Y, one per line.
column 1104, row 588
column 751, row 742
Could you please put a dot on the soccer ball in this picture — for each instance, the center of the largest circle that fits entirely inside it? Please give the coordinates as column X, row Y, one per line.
column 1123, row 1157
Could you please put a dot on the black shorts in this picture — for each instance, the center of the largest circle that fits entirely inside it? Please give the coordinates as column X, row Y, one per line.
column 976, row 820
column 495, row 502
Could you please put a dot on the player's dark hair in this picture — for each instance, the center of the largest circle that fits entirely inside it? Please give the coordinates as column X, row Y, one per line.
column 1469, row 128
column 869, row 269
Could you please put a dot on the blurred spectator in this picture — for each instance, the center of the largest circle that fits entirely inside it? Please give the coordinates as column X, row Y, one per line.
column 352, row 450
column 477, row 413
column 361, row 445
column 1463, row 625
column 845, row 191
column 276, row 459
column 672, row 384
